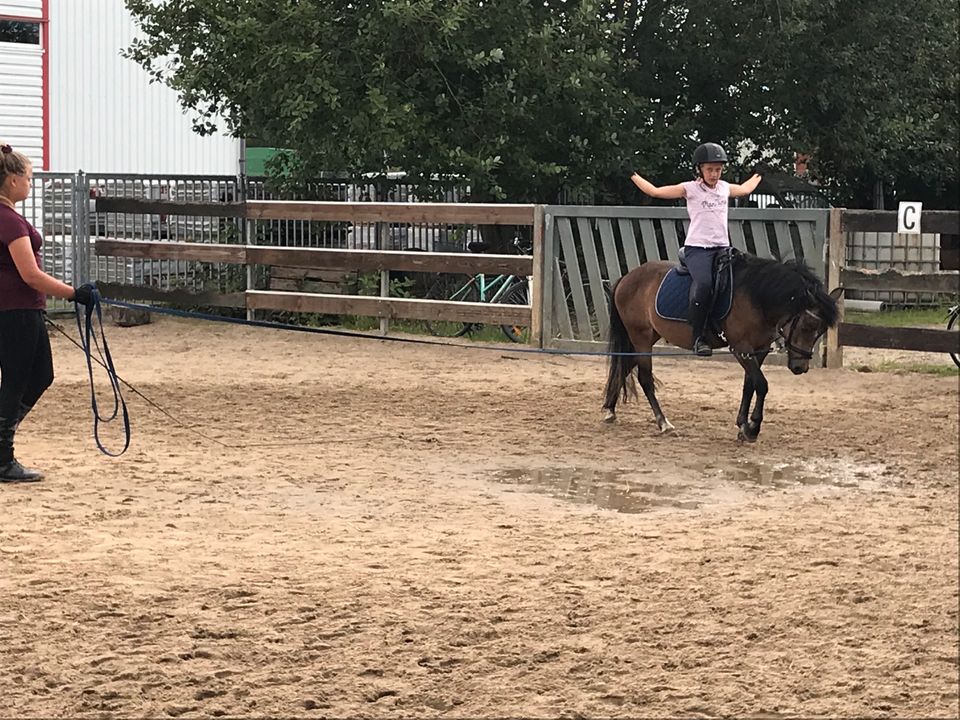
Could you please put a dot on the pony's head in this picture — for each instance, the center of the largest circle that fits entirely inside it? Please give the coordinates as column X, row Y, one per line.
column 793, row 299
column 815, row 311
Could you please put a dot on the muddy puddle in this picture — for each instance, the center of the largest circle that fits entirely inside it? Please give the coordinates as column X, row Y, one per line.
column 609, row 489
column 630, row 491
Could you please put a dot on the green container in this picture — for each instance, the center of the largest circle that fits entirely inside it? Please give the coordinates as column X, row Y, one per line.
column 257, row 157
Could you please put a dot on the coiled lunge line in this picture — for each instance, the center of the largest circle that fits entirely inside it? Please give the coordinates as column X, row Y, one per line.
column 87, row 334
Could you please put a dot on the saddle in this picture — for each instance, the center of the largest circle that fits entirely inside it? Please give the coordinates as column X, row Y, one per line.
column 673, row 295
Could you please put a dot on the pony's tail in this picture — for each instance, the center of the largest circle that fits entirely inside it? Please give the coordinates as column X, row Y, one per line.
column 620, row 381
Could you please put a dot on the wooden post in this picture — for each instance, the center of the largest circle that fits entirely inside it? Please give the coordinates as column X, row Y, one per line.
column 249, row 232
column 836, row 257
column 537, row 280
column 383, row 240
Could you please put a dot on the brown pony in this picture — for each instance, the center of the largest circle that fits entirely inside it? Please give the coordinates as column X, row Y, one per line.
column 770, row 299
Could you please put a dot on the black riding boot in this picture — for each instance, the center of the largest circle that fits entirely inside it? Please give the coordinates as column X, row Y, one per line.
column 10, row 469
column 697, row 316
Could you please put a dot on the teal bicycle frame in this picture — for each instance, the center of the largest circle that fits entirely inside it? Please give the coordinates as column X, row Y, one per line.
column 490, row 291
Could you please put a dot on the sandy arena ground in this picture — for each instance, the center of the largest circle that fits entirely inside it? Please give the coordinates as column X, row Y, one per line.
column 388, row 530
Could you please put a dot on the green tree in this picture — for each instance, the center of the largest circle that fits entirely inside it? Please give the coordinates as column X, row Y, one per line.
column 695, row 60
column 869, row 89
column 520, row 98
column 524, row 99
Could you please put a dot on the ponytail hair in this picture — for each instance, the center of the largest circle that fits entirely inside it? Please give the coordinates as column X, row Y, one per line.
column 11, row 162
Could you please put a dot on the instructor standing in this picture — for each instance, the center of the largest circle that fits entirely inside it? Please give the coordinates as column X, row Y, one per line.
column 26, row 363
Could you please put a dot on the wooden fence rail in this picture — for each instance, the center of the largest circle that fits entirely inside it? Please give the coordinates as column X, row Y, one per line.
column 326, row 258
column 937, row 282
column 356, row 212
column 366, row 212
column 903, row 338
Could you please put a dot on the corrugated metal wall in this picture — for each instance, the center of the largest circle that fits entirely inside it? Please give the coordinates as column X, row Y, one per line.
column 21, row 87
column 21, row 99
column 22, row 8
column 105, row 116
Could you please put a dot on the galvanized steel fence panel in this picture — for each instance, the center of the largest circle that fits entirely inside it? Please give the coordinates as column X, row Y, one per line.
column 54, row 209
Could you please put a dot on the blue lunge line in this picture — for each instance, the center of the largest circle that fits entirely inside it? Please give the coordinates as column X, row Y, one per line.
column 87, row 334
column 348, row 333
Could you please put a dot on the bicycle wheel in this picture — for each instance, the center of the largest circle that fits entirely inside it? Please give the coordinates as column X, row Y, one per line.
column 954, row 320
column 519, row 294
column 452, row 286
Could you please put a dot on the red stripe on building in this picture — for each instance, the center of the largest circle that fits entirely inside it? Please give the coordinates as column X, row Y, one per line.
column 45, row 92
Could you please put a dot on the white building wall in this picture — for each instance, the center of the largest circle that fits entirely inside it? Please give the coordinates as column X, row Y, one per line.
column 21, row 99
column 22, row 8
column 21, row 86
column 105, row 115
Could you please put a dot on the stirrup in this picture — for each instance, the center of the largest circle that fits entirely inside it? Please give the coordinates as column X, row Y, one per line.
column 702, row 348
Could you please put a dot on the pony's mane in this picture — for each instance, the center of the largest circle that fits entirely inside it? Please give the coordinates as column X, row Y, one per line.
column 786, row 288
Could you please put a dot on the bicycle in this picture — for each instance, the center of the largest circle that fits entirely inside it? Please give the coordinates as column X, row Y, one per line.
column 953, row 319
column 506, row 289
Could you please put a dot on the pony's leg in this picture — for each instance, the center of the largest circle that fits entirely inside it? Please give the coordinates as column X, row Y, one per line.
column 647, row 382
column 745, row 399
column 754, row 382
column 621, row 363
column 620, row 369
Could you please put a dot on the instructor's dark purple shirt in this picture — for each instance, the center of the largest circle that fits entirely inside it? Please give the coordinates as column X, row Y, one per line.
column 15, row 294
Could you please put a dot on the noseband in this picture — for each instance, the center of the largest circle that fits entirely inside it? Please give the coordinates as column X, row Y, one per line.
column 803, row 354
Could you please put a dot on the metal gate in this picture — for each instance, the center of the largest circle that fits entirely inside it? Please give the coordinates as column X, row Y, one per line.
column 57, row 207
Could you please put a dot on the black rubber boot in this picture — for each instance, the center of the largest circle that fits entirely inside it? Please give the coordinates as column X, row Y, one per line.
column 697, row 316
column 10, row 469
column 702, row 348
column 14, row 472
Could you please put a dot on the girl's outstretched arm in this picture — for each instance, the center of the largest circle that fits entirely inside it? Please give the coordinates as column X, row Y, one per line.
column 667, row 192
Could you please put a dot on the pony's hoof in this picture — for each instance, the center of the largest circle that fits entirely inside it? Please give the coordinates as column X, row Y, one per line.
column 667, row 428
column 609, row 416
column 746, row 434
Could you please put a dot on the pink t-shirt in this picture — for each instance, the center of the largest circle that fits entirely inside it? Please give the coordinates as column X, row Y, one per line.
column 707, row 208
column 15, row 294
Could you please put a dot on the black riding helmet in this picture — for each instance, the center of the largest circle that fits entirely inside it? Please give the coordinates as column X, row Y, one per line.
column 708, row 152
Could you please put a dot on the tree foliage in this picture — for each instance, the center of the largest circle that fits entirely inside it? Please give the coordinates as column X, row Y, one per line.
column 524, row 99
column 869, row 88
column 520, row 98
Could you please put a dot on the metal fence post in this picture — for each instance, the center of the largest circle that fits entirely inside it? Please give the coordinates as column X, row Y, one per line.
column 80, row 229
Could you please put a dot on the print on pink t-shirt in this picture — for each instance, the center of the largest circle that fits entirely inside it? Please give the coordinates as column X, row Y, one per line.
column 707, row 208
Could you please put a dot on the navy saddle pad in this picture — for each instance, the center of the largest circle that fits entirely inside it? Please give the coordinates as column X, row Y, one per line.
column 674, row 296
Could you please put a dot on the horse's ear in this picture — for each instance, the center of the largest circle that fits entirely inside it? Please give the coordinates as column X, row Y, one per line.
column 836, row 293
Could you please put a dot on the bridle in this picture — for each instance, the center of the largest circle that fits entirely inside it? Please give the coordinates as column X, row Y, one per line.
column 793, row 322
